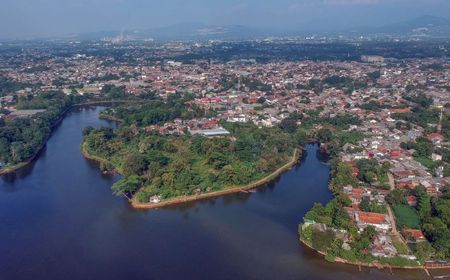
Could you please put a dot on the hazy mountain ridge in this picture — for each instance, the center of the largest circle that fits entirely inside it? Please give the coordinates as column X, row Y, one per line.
column 424, row 26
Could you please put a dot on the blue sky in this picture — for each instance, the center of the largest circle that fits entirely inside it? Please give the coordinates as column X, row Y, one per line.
column 38, row 18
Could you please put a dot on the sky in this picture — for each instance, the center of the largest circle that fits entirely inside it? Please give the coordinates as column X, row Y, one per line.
column 25, row 19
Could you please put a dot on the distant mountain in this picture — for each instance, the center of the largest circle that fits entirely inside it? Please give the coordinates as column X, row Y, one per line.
column 187, row 31
column 201, row 31
column 425, row 25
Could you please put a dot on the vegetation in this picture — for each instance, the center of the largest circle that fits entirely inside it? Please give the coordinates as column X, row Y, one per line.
column 21, row 138
column 435, row 221
column 406, row 216
column 342, row 175
column 373, row 106
column 8, row 86
column 371, row 172
column 431, row 215
column 177, row 165
column 155, row 111
column 370, row 206
column 419, row 116
column 333, row 214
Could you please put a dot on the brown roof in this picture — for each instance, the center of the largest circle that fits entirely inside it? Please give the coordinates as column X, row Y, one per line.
column 371, row 218
column 415, row 233
column 432, row 136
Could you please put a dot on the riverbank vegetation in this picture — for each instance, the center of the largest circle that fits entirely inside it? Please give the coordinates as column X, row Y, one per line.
column 172, row 165
column 22, row 137
column 177, row 165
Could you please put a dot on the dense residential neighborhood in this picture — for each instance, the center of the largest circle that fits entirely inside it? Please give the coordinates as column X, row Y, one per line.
column 383, row 121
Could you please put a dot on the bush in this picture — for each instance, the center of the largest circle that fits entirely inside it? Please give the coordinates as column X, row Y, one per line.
column 321, row 240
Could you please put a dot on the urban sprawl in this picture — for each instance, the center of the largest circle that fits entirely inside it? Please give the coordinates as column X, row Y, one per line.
column 399, row 168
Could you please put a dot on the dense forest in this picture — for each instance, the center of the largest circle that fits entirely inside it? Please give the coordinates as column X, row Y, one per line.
column 176, row 165
column 21, row 138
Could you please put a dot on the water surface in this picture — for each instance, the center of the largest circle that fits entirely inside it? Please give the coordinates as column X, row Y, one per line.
column 59, row 220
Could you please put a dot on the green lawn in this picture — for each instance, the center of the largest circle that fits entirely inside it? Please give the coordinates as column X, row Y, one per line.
column 406, row 216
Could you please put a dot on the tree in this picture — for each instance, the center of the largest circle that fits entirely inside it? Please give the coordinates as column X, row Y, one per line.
column 443, row 210
column 343, row 177
column 127, row 186
column 321, row 240
column 423, row 250
column 374, row 75
column 369, row 232
column 324, row 135
column 87, row 130
column 218, row 159
column 134, row 164
column 301, row 136
column 261, row 100
column 396, row 197
column 289, row 125
column 424, row 206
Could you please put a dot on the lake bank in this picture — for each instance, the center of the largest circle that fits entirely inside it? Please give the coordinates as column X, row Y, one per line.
column 17, row 166
column 230, row 190
column 191, row 198
column 360, row 264
column 62, row 203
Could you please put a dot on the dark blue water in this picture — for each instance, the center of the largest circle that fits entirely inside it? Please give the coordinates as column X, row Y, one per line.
column 59, row 220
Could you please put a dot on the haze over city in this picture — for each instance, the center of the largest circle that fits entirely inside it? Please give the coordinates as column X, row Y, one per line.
column 224, row 139
column 26, row 19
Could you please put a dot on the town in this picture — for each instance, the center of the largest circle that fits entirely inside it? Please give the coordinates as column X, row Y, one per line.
column 395, row 178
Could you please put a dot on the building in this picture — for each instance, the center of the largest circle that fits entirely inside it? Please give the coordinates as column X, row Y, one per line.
column 218, row 132
column 378, row 221
column 413, row 235
column 372, row 58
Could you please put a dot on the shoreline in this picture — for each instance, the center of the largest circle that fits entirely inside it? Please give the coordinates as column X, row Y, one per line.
column 231, row 190
column 96, row 159
column 23, row 164
column 20, row 165
column 361, row 264
column 110, row 118
column 191, row 198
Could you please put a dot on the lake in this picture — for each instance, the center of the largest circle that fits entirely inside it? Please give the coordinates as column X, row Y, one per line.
column 59, row 220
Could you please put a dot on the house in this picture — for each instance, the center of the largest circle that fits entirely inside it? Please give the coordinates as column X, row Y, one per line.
column 403, row 173
column 436, row 138
column 413, row 235
column 383, row 247
column 395, row 153
column 155, row 199
column 436, row 157
column 379, row 221
column 356, row 195
column 406, row 184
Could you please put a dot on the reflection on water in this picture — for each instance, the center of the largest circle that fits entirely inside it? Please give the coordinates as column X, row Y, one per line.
column 60, row 221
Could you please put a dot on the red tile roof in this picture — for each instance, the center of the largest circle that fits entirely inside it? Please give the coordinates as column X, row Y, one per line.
column 371, row 218
column 415, row 233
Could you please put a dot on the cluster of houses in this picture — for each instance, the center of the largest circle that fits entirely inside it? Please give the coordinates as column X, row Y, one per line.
column 208, row 127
